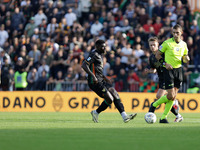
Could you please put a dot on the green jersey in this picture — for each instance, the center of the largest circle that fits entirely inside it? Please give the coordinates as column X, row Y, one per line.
column 174, row 52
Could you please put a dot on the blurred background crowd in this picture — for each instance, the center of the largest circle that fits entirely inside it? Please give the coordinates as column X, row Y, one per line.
column 43, row 42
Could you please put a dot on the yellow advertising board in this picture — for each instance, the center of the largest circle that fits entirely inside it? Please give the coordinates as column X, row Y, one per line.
column 35, row 101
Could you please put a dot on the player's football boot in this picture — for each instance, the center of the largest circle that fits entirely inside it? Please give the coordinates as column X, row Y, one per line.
column 129, row 117
column 152, row 108
column 95, row 116
column 178, row 119
column 163, row 121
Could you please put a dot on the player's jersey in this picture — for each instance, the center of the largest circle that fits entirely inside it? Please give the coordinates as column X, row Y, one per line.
column 95, row 62
column 155, row 64
column 174, row 52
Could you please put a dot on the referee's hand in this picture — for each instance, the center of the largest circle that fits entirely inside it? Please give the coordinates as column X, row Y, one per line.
column 168, row 66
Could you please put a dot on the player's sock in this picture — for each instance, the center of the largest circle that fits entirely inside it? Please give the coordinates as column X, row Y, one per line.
column 178, row 115
column 119, row 105
column 102, row 107
column 174, row 111
column 95, row 111
column 123, row 114
column 168, row 107
column 161, row 100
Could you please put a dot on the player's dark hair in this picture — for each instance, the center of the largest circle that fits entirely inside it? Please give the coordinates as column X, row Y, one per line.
column 153, row 38
column 177, row 26
column 99, row 42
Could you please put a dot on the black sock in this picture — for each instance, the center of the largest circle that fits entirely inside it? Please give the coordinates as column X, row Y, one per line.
column 102, row 107
column 174, row 111
column 152, row 108
column 119, row 105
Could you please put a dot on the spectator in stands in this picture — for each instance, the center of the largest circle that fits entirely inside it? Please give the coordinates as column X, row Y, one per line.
column 59, row 62
column 150, row 7
column 20, row 76
column 42, row 30
column 32, row 79
column 70, row 17
column 41, row 82
column 116, row 21
column 157, row 25
column 170, row 7
column 106, row 66
column 148, row 25
column 30, row 27
column 159, row 9
column 51, row 28
column 5, row 76
column 48, row 56
column 3, row 35
column 17, row 19
column 143, row 16
column 58, row 80
column 195, row 28
column 129, row 12
column 126, row 52
column 3, row 55
column 121, row 81
column 39, row 16
column 117, row 65
column 43, row 67
column 96, row 27
column 75, row 66
column 35, row 54
column 132, row 66
column 133, row 81
column 71, row 76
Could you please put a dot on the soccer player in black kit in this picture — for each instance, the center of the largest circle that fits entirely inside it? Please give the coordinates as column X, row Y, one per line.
column 97, row 82
column 156, row 66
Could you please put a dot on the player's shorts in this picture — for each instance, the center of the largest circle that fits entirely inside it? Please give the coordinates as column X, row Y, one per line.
column 161, row 83
column 100, row 88
column 173, row 78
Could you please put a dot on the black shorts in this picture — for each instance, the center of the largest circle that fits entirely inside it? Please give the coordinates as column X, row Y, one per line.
column 161, row 83
column 100, row 88
column 173, row 78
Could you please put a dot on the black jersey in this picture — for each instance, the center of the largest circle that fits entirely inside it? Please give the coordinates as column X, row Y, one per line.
column 155, row 64
column 95, row 62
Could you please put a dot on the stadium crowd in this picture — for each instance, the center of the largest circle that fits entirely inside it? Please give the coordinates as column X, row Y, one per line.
column 48, row 40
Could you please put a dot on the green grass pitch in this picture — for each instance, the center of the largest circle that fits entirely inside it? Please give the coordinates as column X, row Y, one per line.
column 76, row 131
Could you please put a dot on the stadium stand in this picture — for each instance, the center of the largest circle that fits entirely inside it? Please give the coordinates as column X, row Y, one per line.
column 52, row 38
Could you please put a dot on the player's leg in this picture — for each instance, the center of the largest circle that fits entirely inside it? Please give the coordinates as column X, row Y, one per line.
column 160, row 93
column 101, row 91
column 120, row 106
column 170, row 97
column 177, row 84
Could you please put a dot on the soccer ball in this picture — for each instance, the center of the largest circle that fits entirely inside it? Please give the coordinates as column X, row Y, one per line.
column 150, row 117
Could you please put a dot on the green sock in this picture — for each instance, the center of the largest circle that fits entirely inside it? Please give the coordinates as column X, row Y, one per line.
column 168, row 107
column 161, row 100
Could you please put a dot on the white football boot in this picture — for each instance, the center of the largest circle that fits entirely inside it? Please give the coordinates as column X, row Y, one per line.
column 95, row 116
column 129, row 117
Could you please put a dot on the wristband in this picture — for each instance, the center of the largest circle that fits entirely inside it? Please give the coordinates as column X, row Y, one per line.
column 164, row 63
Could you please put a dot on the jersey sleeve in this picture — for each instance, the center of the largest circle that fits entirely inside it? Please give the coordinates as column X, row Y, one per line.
column 163, row 47
column 90, row 58
column 185, row 50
